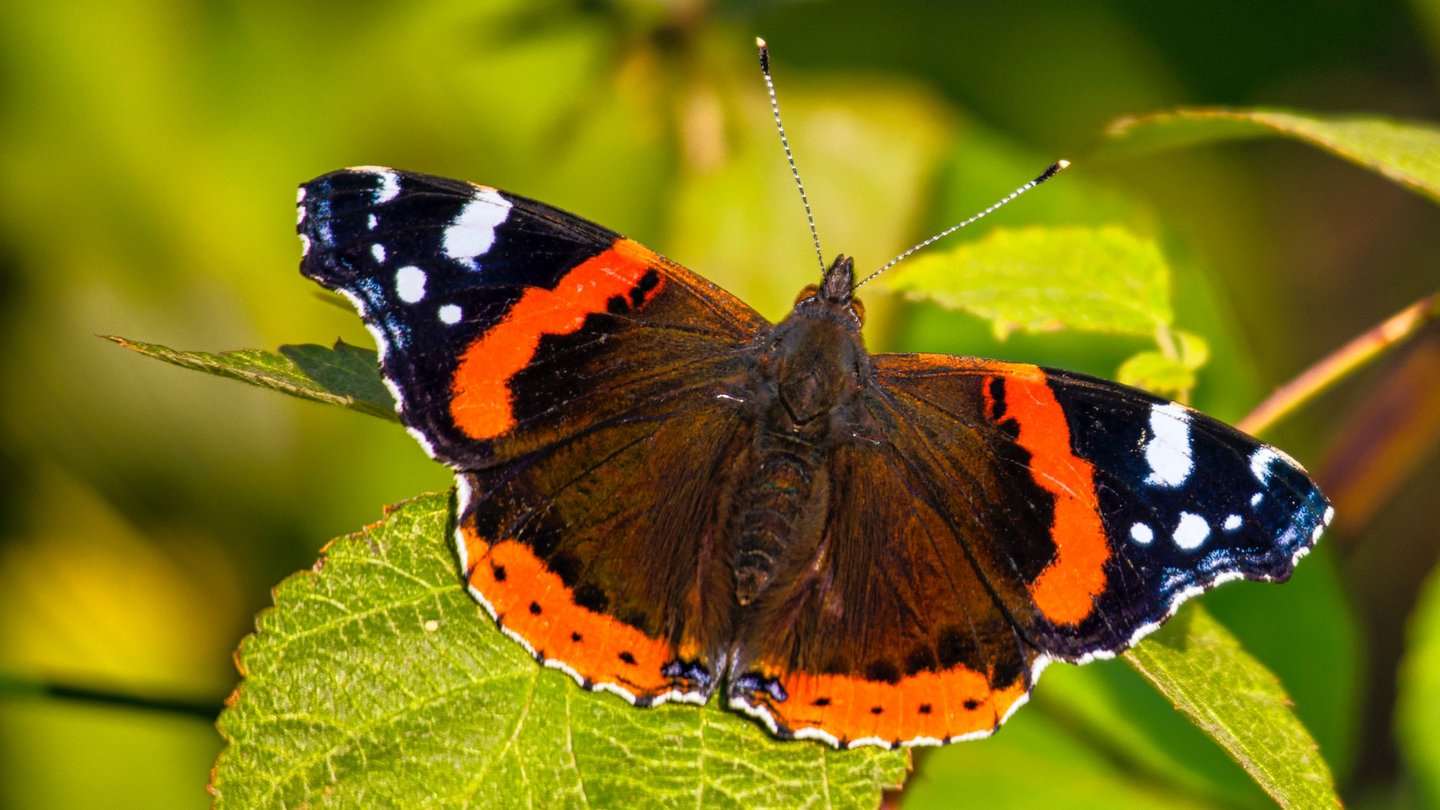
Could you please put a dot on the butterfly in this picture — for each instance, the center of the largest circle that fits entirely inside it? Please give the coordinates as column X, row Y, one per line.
column 664, row 495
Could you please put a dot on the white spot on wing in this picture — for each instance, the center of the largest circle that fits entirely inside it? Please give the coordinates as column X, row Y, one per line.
column 1232, row 522
column 1260, row 462
column 378, row 251
column 1168, row 450
column 472, row 232
column 371, row 222
column 304, row 245
column 299, row 195
column 1142, row 534
column 1329, row 515
column 450, row 314
column 1257, row 498
column 1191, row 532
column 410, row 284
column 389, row 187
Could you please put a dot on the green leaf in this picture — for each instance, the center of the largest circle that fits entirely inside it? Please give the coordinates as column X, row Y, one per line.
column 1417, row 713
column 1042, row 279
column 345, row 375
column 377, row 681
column 736, row 217
column 1201, row 667
column 1407, row 152
column 1039, row 760
column 1169, row 372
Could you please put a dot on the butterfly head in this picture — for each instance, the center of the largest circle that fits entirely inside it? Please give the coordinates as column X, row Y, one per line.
column 834, row 297
column 839, row 283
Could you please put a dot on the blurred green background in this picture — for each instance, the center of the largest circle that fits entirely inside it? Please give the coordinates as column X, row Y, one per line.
column 149, row 153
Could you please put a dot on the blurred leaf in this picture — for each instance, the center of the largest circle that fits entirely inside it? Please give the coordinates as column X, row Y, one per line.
column 1407, row 152
column 736, row 217
column 345, row 375
column 1167, row 373
column 1417, row 713
column 377, row 681
column 1041, row 279
column 1109, row 707
column 1200, row 666
column 1037, row 760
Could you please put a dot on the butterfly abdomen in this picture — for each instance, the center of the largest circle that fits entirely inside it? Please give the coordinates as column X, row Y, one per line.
column 781, row 512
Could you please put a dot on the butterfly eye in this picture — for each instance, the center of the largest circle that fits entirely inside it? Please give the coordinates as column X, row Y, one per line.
column 810, row 291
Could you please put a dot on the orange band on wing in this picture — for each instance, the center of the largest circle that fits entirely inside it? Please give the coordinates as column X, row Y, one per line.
column 532, row 602
column 924, row 706
column 481, row 406
column 1066, row 589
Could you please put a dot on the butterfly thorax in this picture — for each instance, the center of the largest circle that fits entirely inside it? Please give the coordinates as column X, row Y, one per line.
column 811, row 371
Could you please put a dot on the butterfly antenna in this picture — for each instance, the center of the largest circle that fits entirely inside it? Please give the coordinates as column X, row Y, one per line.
column 1054, row 169
column 785, row 142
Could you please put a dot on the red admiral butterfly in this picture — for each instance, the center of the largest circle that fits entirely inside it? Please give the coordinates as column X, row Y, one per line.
column 665, row 495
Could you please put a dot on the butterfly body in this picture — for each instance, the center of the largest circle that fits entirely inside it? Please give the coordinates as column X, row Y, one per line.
column 664, row 495
column 805, row 399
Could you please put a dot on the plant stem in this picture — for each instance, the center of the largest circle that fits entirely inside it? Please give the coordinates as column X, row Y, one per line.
column 1341, row 363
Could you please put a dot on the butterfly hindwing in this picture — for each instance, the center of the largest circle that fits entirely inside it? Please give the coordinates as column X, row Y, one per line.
column 895, row 635
column 578, row 553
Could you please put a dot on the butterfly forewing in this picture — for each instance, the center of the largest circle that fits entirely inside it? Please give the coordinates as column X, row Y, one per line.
column 505, row 325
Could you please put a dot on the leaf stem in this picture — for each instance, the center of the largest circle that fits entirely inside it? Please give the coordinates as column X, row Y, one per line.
column 1341, row 363
column 16, row 686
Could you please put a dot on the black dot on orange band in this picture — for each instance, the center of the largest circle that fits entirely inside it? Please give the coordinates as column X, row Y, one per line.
column 925, row 708
column 627, row 657
column 877, row 709
column 498, row 571
column 823, row 701
column 535, row 608
column 576, row 637
column 971, row 705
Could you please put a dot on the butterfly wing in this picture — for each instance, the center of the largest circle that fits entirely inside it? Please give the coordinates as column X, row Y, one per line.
column 505, row 325
column 1026, row 515
column 894, row 635
column 563, row 371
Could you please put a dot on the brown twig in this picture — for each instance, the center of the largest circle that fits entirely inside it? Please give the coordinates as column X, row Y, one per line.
column 1341, row 363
